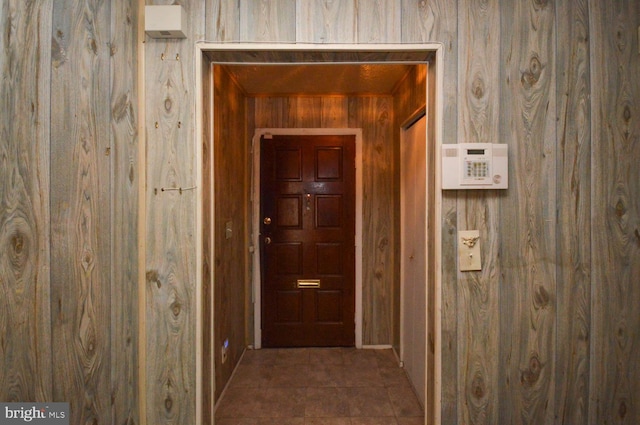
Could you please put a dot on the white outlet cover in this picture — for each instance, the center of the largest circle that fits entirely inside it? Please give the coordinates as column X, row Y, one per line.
column 469, row 250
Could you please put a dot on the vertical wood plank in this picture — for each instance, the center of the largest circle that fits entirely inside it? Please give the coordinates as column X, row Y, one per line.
column 478, row 292
column 25, row 54
column 334, row 112
column 379, row 21
column 81, row 209
column 326, row 21
column 375, row 116
column 574, row 215
column 268, row 20
column 437, row 20
column 304, row 111
column 170, row 233
column 528, row 230
column 615, row 225
column 222, row 21
column 124, row 199
column 269, row 112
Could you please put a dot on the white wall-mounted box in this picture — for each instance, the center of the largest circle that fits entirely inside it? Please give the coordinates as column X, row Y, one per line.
column 475, row 166
column 165, row 21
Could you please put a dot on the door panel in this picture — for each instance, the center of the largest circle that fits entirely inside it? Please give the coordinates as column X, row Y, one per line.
column 307, row 190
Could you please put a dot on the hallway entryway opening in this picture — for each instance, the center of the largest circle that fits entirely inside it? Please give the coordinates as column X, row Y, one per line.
column 249, row 91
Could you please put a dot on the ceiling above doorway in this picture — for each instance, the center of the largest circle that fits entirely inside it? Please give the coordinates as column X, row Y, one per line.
column 322, row 79
column 338, row 72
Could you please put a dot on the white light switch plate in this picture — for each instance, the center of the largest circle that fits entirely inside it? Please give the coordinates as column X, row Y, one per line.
column 469, row 250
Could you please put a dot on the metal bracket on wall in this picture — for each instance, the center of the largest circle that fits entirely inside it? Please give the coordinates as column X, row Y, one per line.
column 168, row 189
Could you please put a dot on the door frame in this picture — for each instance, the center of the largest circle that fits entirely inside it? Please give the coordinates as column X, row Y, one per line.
column 244, row 53
column 255, row 221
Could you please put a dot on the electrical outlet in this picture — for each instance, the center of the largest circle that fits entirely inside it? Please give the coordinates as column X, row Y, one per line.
column 224, row 350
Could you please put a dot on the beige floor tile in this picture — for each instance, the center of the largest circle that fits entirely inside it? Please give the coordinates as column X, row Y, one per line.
column 386, row 358
column 260, row 357
column 374, row 421
column 326, row 356
column 362, row 358
column 359, row 376
column 369, row 401
column 251, row 375
column 287, row 376
column 318, row 386
column 394, row 376
column 326, row 403
column 327, row 421
column 239, row 402
column 260, row 421
column 404, row 402
column 292, row 356
column 284, row 403
column 411, row 421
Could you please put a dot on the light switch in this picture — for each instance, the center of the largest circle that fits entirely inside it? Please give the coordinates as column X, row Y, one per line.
column 469, row 250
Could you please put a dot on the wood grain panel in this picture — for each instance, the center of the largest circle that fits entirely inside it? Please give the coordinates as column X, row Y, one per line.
column 26, row 365
column 222, row 21
column 268, row 20
column 615, row 226
column 378, row 21
column 574, row 213
column 268, row 112
column 334, row 112
column 478, row 292
column 304, row 112
column 170, row 233
column 231, row 188
column 375, row 116
column 81, row 209
column 326, row 21
column 528, row 230
column 124, row 199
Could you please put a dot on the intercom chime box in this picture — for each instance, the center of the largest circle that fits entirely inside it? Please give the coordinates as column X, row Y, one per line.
column 475, row 166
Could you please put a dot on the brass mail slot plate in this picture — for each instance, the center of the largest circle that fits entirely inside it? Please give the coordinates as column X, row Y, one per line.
column 308, row 283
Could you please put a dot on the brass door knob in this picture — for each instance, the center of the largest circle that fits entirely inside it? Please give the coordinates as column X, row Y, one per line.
column 267, row 220
column 267, row 240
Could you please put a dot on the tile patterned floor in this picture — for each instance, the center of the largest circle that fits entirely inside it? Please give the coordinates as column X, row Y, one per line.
column 319, row 386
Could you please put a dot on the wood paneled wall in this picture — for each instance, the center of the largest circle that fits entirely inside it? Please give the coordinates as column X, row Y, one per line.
column 548, row 332
column 523, row 340
column 374, row 114
column 232, row 187
column 614, row 323
column 68, row 207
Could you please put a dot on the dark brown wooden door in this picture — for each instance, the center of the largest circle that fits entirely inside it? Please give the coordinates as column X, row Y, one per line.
column 307, row 189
